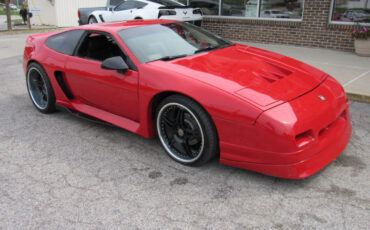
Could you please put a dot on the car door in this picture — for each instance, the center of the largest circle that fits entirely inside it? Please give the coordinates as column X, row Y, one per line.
column 107, row 90
column 124, row 11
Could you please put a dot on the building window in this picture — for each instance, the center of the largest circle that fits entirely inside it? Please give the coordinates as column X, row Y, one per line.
column 269, row 9
column 351, row 11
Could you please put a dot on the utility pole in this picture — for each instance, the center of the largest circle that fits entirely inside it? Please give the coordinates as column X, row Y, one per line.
column 8, row 17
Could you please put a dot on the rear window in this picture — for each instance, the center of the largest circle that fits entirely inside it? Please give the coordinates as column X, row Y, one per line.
column 65, row 42
column 115, row 2
column 170, row 3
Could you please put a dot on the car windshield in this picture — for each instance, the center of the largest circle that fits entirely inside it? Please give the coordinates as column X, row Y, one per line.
column 169, row 41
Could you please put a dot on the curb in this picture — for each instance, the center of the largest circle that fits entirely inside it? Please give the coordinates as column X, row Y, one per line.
column 361, row 97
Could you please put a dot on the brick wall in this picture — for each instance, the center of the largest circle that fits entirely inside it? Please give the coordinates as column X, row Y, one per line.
column 314, row 30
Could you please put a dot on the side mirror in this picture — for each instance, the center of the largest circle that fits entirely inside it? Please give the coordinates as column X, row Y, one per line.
column 110, row 8
column 115, row 63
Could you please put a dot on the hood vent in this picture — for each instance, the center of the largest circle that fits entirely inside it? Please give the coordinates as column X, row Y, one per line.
column 272, row 73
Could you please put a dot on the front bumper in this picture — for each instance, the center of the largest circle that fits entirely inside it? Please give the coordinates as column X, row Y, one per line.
column 307, row 167
column 293, row 140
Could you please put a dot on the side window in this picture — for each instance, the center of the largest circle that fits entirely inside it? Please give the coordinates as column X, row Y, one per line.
column 115, row 2
column 65, row 42
column 139, row 5
column 99, row 47
column 126, row 6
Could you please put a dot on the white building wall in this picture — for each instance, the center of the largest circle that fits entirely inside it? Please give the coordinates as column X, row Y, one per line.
column 61, row 13
column 66, row 10
column 43, row 12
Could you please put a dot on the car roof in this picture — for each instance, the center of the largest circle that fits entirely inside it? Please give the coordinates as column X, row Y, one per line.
column 116, row 26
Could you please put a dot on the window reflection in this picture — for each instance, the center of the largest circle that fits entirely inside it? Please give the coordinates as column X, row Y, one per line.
column 281, row 9
column 208, row 7
column 239, row 8
column 292, row 9
column 351, row 11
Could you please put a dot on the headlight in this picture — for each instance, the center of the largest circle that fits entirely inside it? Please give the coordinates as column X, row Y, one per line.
column 166, row 12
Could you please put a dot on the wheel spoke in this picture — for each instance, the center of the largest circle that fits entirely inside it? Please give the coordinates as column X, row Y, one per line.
column 168, row 122
column 172, row 141
column 187, row 148
column 180, row 117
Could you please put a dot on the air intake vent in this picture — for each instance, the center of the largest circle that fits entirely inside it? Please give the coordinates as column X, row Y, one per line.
column 273, row 72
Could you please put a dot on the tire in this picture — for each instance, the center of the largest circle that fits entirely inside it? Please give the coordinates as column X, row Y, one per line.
column 39, row 89
column 186, row 131
column 92, row 20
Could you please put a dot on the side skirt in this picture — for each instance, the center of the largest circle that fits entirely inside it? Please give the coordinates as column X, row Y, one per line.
column 94, row 114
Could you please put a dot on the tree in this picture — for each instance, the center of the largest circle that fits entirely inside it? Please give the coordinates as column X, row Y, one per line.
column 8, row 17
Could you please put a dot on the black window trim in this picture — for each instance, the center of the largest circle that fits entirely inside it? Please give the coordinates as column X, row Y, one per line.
column 130, row 63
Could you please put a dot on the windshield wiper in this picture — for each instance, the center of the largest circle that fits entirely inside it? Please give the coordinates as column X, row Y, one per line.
column 169, row 58
column 208, row 48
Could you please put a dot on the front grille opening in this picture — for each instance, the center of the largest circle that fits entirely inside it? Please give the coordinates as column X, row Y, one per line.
column 304, row 138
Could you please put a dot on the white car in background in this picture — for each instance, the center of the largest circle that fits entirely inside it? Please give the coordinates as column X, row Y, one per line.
column 13, row 7
column 148, row 9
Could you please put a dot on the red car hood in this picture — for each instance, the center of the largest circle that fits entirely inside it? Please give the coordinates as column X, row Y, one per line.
column 263, row 78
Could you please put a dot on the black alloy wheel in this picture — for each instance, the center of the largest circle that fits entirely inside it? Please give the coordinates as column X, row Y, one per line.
column 186, row 131
column 39, row 88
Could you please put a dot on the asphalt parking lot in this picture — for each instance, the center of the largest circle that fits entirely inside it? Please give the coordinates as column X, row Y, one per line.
column 62, row 172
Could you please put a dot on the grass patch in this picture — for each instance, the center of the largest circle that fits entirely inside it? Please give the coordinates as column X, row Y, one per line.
column 12, row 12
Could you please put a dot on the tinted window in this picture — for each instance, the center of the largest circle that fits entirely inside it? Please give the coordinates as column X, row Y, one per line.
column 167, row 2
column 140, row 5
column 65, row 42
column 130, row 5
column 115, row 2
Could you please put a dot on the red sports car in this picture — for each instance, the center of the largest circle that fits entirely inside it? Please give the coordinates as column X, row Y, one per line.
column 202, row 95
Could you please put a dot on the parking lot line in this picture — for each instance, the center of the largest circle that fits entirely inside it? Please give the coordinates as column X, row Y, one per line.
column 356, row 78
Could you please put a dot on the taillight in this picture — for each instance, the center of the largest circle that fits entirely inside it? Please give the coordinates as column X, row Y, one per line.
column 197, row 11
column 79, row 14
column 166, row 12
